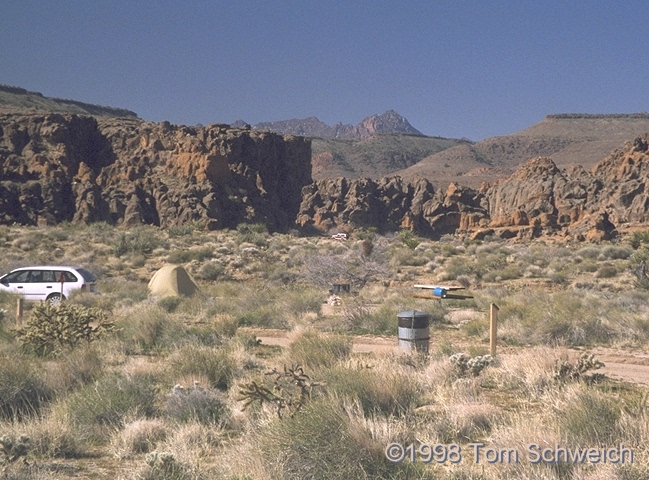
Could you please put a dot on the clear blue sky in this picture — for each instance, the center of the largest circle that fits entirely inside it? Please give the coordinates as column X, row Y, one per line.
column 454, row 68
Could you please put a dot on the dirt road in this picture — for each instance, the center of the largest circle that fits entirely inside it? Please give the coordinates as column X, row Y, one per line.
column 625, row 365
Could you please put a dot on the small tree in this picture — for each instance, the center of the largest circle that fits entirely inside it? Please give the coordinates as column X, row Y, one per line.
column 52, row 329
column 357, row 265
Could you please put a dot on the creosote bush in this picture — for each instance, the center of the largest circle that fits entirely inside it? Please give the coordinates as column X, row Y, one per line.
column 52, row 329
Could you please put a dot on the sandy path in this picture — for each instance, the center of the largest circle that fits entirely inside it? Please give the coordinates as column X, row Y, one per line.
column 626, row 365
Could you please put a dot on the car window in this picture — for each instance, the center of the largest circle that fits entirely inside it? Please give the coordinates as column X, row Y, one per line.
column 35, row 276
column 67, row 276
column 49, row 276
column 87, row 276
column 17, row 277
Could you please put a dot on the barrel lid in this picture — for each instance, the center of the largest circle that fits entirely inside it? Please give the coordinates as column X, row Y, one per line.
column 411, row 313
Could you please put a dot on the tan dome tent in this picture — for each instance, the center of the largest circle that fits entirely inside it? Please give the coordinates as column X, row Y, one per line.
column 172, row 281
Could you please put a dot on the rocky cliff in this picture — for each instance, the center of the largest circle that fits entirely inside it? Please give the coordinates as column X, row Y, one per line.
column 125, row 171
column 539, row 198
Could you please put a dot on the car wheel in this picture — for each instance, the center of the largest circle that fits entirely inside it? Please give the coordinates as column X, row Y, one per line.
column 55, row 299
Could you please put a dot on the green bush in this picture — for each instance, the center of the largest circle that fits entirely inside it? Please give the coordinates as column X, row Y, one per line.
column 149, row 328
column 210, row 271
column 112, row 399
column 326, row 440
column 22, row 391
column 408, row 238
column 387, row 393
column 141, row 240
column 315, row 350
column 52, row 329
column 606, row 271
column 215, row 364
column 186, row 256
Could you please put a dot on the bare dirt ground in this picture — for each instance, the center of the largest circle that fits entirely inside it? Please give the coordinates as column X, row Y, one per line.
column 625, row 365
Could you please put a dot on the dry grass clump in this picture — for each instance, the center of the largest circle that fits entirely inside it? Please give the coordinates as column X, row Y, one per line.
column 111, row 400
column 137, row 437
column 314, row 350
column 213, row 363
column 50, row 436
column 383, row 388
column 23, row 391
column 327, row 440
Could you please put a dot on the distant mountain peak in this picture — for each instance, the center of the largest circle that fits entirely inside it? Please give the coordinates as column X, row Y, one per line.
column 388, row 122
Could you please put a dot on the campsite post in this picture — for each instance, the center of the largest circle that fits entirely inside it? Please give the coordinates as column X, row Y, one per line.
column 62, row 280
column 493, row 328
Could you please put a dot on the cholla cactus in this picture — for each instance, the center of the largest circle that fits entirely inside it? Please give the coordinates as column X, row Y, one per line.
column 567, row 371
column 52, row 329
column 291, row 390
column 464, row 365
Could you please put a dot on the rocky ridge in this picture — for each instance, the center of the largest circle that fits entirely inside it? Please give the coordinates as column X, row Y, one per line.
column 538, row 199
column 125, row 171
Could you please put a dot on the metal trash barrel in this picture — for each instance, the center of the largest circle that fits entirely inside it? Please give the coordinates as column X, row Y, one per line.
column 414, row 331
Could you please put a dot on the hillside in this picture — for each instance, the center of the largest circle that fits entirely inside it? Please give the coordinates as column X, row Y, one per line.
column 14, row 99
column 570, row 139
column 375, row 156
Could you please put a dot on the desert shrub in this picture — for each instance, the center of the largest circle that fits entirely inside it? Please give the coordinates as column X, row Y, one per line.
column 387, row 392
column 589, row 266
column 169, row 304
column 589, row 417
column 50, row 436
column 214, row 364
column 362, row 318
column 148, row 328
column 638, row 239
column 139, row 436
column 184, row 230
column 408, row 257
column 326, row 440
column 22, row 391
column 565, row 370
column 165, row 466
column 196, row 404
column 75, row 368
column 189, row 255
column 52, row 329
column 255, row 233
column 142, row 240
column 590, row 251
column 210, row 271
column 314, row 350
column 112, row 399
column 613, row 252
column 408, row 238
column 606, row 271
column 460, row 266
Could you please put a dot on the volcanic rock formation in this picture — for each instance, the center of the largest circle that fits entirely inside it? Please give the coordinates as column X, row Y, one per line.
column 125, row 171
column 539, row 198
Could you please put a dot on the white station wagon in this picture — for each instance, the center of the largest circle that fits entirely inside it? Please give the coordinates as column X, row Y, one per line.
column 49, row 283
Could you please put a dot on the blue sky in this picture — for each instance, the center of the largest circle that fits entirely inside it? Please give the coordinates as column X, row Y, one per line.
column 457, row 68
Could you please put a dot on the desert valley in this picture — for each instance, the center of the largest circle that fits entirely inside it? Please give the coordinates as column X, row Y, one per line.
column 269, row 370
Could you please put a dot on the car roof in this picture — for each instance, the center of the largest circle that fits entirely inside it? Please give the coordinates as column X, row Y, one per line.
column 46, row 267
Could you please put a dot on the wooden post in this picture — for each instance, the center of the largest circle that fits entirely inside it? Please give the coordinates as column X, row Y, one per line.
column 493, row 327
column 19, row 309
